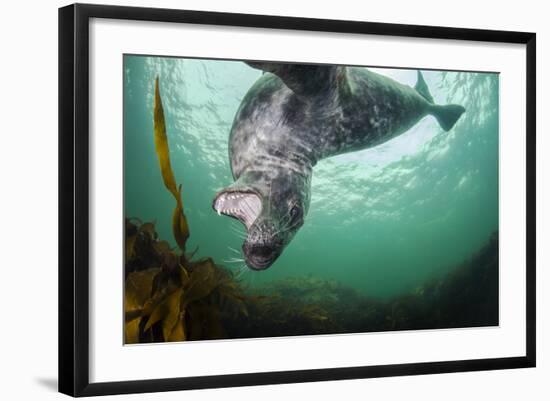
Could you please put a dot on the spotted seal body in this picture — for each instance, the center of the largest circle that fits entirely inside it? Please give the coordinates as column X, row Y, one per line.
column 296, row 115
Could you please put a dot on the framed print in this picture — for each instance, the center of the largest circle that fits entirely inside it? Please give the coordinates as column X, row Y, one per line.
column 278, row 199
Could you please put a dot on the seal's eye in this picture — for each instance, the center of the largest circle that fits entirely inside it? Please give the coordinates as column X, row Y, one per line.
column 295, row 212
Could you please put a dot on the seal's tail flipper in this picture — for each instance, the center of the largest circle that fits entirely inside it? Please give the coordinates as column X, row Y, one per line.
column 422, row 88
column 447, row 115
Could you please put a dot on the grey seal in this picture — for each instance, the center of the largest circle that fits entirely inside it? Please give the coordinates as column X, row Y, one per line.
column 295, row 115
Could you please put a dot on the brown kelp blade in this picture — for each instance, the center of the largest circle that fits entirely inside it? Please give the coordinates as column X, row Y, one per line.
column 179, row 221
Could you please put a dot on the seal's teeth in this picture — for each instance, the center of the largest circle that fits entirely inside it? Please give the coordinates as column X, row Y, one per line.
column 245, row 207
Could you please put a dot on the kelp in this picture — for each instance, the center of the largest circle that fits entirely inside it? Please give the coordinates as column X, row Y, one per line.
column 179, row 221
column 168, row 296
column 175, row 298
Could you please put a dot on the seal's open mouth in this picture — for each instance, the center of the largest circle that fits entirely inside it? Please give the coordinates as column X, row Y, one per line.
column 242, row 205
column 256, row 263
column 260, row 257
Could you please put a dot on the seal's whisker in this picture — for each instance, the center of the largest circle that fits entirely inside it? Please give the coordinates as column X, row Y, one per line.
column 243, row 269
column 238, row 228
column 233, row 261
column 289, row 226
column 284, row 229
column 240, row 271
column 236, row 231
column 239, row 234
column 286, row 220
column 269, row 200
column 233, row 250
column 236, row 223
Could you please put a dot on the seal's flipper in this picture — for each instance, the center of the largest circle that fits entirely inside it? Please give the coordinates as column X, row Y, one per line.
column 447, row 115
column 303, row 79
column 422, row 88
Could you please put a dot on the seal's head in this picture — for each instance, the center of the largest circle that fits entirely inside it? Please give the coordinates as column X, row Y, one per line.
column 272, row 205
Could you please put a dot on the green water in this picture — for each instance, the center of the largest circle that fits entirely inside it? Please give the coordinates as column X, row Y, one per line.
column 384, row 220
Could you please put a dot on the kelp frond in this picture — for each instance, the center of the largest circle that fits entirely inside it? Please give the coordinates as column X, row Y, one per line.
column 180, row 228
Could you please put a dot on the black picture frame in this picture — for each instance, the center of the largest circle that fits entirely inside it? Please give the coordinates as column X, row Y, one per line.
column 74, row 198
